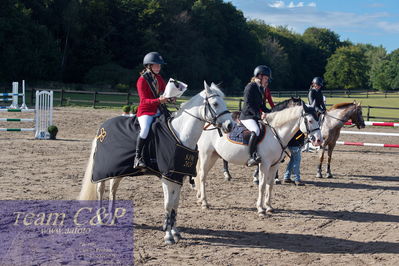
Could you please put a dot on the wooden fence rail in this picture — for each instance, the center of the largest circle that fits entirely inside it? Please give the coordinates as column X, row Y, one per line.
column 98, row 98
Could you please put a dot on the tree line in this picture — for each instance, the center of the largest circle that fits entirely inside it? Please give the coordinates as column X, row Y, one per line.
column 102, row 43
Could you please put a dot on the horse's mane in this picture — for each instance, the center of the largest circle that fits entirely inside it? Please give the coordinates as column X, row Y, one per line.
column 283, row 104
column 279, row 118
column 199, row 97
column 340, row 106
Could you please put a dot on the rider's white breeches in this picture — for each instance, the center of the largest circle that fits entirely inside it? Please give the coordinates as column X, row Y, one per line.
column 145, row 122
column 251, row 125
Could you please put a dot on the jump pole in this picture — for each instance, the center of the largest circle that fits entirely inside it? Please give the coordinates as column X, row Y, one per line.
column 368, row 144
column 370, row 133
column 379, row 124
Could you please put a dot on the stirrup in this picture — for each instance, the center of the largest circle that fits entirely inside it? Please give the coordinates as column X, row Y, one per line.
column 139, row 163
column 254, row 161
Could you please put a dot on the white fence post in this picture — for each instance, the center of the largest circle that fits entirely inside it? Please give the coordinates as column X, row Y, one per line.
column 14, row 104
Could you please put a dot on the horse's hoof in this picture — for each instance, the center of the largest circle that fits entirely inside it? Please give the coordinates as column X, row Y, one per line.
column 176, row 237
column 319, row 175
column 192, row 186
column 170, row 241
column 227, row 176
column 277, row 181
column 329, row 175
column 256, row 182
column 205, row 206
column 269, row 210
column 262, row 214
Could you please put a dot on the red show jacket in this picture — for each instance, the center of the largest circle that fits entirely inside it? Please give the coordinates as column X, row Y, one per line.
column 148, row 102
column 268, row 96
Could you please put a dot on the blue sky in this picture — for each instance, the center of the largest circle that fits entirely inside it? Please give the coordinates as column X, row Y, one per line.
column 360, row 21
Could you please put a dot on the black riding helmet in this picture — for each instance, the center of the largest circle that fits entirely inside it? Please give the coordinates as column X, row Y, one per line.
column 318, row 81
column 263, row 70
column 153, row 58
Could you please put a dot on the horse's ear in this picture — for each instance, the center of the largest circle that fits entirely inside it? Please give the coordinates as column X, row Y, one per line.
column 206, row 86
column 207, row 89
column 305, row 107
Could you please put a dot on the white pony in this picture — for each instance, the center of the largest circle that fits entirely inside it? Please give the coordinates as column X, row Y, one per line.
column 206, row 107
column 281, row 127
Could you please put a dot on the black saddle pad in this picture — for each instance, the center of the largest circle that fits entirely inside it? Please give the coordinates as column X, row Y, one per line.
column 116, row 145
column 240, row 134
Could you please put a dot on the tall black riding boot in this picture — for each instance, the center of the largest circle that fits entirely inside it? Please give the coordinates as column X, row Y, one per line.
column 138, row 160
column 254, row 158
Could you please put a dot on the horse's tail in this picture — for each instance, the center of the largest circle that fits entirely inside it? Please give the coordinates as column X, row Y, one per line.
column 88, row 191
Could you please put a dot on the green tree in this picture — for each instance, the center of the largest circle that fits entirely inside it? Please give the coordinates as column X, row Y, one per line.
column 28, row 50
column 380, row 78
column 324, row 39
column 347, row 69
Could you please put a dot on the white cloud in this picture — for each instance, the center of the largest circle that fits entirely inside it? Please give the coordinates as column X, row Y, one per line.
column 292, row 5
column 281, row 4
column 277, row 4
column 389, row 27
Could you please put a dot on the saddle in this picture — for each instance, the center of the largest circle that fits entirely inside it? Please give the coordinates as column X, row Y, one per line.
column 163, row 154
column 240, row 134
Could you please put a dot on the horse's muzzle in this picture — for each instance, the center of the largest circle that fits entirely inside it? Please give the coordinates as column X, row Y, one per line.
column 316, row 141
column 227, row 126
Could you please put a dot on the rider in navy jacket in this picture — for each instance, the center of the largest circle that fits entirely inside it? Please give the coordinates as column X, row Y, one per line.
column 315, row 95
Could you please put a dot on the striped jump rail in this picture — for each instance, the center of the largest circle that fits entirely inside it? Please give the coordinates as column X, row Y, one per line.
column 368, row 144
column 17, row 120
column 17, row 110
column 17, row 129
column 379, row 124
column 11, row 94
column 371, row 133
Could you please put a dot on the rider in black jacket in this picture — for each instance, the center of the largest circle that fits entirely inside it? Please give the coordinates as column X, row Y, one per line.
column 315, row 96
column 254, row 103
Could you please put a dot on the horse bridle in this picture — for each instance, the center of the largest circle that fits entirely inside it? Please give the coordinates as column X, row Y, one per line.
column 308, row 131
column 214, row 116
column 283, row 149
column 343, row 120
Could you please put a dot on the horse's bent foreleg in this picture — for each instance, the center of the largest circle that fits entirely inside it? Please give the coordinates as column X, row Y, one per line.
column 330, row 150
column 171, row 192
column 319, row 172
column 226, row 171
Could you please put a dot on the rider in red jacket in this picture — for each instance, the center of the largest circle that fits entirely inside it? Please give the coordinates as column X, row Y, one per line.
column 268, row 97
column 150, row 86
